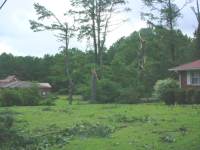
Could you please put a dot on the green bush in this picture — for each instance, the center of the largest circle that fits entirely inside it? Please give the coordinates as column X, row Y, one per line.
column 196, row 97
column 20, row 97
column 180, row 96
column 85, row 92
column 107, row 91
column 49, row 100
column 190, row 96
column 6, row 123
column 30, row 96
column 169, row 97
column 163, row 87
column 10, row 97
column 128, row 96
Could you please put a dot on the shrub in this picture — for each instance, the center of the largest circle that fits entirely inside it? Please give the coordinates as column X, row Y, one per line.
column 196, row 97
column 169, row 96
column 162, row 86
column 10, row 97
column 30, row 96
column 48, row 101
column 85, row 92
column 6, row 123
column 190, row 96
column 180, row 96
column 20, row 97
column 128, row 96
column 107, row 91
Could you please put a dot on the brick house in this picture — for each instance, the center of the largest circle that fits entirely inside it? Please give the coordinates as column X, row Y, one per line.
column 13, row 82
column 189, row 74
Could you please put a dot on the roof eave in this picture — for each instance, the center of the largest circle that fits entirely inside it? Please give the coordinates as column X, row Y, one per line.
column 176, row 69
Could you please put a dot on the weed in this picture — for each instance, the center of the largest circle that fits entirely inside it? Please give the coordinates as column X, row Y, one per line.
column 168, row 139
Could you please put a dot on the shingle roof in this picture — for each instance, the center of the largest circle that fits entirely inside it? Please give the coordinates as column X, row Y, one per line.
column 195, row 65
column 44, row 85
column 18, row 84
column 9, row 79
column 13, row 82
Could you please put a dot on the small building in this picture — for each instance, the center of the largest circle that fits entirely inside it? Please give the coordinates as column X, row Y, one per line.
column 189, row 74
column 13, row 82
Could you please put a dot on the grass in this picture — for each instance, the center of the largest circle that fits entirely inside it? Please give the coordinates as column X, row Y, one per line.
column 135, row 127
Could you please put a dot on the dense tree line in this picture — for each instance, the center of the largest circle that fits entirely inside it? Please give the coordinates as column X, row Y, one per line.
column 122, row 65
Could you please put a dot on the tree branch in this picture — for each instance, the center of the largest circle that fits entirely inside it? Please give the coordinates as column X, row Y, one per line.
column 3, row 4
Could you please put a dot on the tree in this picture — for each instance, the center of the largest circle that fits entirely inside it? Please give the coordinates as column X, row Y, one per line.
column 65, row 33
column 197, row 32
column 164, row 14
column 94, row 20
column 4, row 2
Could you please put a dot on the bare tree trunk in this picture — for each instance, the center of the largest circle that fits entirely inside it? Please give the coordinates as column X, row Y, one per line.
column 171, row 36
column 94, row 34
column 94, row 86
column 98, row 20
column 141, row 55
column 71, row 87
column 67, row 61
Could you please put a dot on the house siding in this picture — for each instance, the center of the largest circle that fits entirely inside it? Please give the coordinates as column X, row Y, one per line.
column 183, row 79
column 184, row 82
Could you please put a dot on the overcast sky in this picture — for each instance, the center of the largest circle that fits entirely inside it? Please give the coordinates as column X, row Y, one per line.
column 17, row 38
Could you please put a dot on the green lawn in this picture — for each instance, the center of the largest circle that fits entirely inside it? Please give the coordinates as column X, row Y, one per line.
column 135, row 127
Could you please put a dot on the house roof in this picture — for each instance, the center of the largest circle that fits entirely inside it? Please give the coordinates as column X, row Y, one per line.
column 195, row 65
column 13, row 82
column 44, row 85
column 18, row 84
column 9, row 79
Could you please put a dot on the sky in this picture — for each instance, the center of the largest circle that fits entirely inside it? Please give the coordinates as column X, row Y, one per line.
column 17, row 38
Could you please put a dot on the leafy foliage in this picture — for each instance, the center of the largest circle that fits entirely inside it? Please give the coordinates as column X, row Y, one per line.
column 24, row 97
column 120, row 73
column 162, row 87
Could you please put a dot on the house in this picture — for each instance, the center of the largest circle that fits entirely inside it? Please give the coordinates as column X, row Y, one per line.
column 13, row 82
column 189, row 74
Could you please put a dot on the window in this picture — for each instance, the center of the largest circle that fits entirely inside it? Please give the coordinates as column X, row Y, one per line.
column 44, row 93
column 195, row 78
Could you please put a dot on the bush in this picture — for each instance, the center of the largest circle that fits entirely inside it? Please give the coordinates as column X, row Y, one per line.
column 30, row 96
column 128, row 96
column 10, row 97
column 48, row 101
column 163, row 87
column 180, row 96
column 196, row 97
column 107, row 91
column 85, row 92
column 20, row 97
column 190, row 96
column 169, row 96
column 6, row 123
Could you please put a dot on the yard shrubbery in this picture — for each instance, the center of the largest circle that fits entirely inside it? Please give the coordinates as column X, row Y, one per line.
column 22, row 97
column 169, row 91
column 111, row 92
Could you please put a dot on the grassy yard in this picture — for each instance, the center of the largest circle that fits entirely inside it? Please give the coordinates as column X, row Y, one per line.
column 134, row 127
